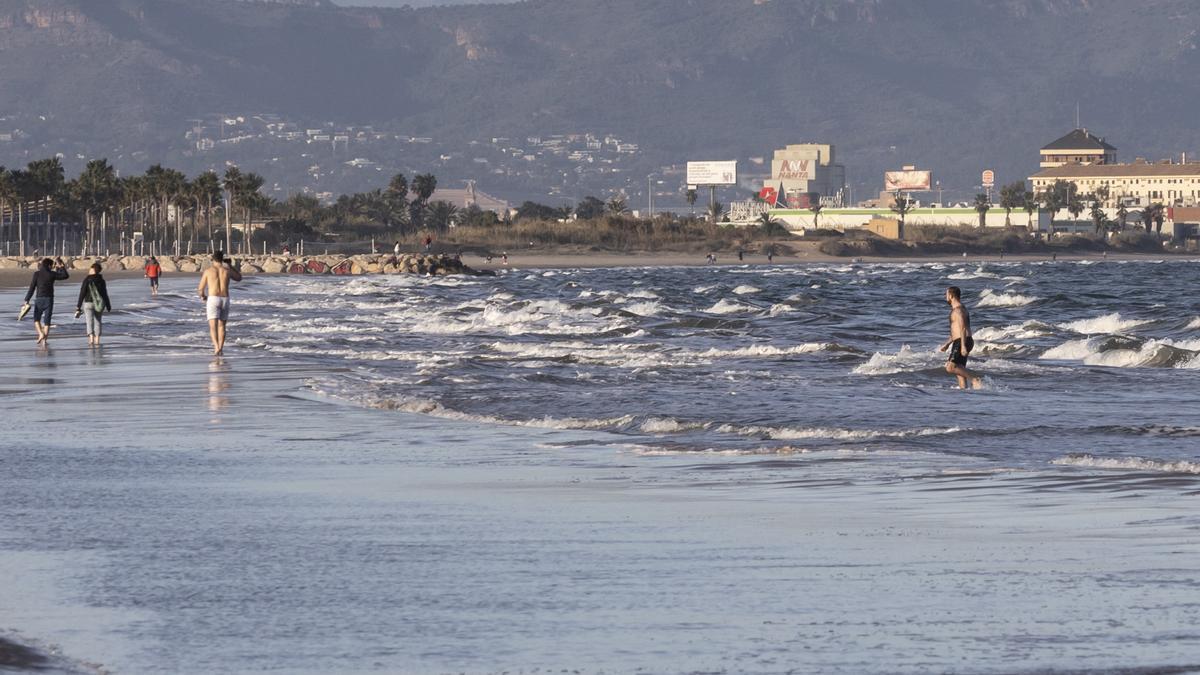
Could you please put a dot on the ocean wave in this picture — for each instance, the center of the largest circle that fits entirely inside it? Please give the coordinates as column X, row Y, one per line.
column 1194, row 324
column 772, row 350
column 990, row 298
column 1123, row 353
column 904, row 361
column 1128, row 463
column 434, row 408
column 834, row 434
column 670, row 425
column 1109, row 324
column 745, row 289
column 730, row 307
column 964, row 275
column 648, row 308
column 1024, row 331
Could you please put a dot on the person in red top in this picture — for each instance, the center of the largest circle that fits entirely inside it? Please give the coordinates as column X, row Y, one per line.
column 153, row 272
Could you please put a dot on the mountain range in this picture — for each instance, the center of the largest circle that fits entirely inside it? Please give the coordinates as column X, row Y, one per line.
column 952, row 85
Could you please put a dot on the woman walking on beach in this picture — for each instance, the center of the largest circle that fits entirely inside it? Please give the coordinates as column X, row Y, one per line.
column 93, row 302
column 153, row 272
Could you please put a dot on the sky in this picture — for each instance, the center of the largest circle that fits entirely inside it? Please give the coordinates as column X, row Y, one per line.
column 413, row 3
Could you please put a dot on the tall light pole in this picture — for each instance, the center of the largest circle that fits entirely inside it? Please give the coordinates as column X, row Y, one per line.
column 650, row 195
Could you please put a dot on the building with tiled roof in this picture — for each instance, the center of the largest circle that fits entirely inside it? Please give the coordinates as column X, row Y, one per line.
column 1139, row 183
column 1078, row 147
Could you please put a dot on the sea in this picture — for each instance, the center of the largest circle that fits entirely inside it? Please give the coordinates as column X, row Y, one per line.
column 1084, row 363
column 707, row 469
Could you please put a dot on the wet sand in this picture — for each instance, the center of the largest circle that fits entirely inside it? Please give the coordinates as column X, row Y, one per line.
column 162, row 511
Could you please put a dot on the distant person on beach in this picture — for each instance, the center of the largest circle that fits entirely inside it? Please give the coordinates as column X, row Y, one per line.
column 92, row 303
column 152, row 272
column 396, row 249
column 741, row 255
column 960, row 343
column 41, row 291
column 214, row 291
column 428, row 243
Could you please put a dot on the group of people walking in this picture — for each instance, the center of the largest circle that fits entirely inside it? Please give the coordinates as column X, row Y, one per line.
column 93, row 301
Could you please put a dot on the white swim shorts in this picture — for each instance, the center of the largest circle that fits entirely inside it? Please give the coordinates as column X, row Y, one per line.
column 218, row 308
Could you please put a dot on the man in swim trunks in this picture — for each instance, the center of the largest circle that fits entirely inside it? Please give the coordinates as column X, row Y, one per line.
column 960, row 343
column 214, row 291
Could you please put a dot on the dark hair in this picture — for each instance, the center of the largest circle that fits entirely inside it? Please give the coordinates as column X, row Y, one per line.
column 955, row 292
column 47, row 263
column 97, row 268
column 218, row 257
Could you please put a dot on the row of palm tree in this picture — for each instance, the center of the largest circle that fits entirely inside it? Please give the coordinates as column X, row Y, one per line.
column 163, row 204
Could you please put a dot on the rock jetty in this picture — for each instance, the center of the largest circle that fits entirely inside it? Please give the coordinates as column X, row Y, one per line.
column 405, row 263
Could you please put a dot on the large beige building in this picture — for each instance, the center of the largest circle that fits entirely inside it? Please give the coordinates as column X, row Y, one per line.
column 1136, row 184
column 805, row 169
column 1078, row 147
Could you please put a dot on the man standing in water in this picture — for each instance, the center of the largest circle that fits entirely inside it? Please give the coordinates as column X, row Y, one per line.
column 41, row 292
column 960, row 343
column 214, row 291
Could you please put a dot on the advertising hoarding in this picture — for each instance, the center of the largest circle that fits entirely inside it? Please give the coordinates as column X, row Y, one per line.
column 712, row 173
column 907, row 180
column 988, row 179
column 794, row 169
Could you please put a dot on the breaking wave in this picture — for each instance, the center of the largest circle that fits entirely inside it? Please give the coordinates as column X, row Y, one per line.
column 1129, row 464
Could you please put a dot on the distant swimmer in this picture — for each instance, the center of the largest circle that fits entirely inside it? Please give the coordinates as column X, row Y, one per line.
column 214, row 291
column 152, row 272
column 41, row 291
column 960, row 343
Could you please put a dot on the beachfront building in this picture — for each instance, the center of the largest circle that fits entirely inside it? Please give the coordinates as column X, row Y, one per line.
column 798, row 172
column 1078, row 147
column 1137, row 184
column 464, row 198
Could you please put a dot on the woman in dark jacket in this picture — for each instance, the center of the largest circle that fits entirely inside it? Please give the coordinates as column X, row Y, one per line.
column 93, row 302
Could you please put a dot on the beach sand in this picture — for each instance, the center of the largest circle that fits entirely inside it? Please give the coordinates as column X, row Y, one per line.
column 162, row 511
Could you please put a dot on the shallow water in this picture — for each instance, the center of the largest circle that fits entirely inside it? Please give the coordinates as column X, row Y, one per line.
column 1085, row 363
column 688, row 470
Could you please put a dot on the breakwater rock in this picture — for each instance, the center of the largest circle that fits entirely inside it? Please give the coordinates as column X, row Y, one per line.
column 405, row 263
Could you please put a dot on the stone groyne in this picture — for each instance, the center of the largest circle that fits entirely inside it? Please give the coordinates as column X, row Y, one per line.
column 405, row 263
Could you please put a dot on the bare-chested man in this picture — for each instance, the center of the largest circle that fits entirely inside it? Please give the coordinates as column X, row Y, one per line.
column 960, row 343
column 214, row 291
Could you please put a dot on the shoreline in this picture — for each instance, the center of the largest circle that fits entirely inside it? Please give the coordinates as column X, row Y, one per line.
column 11, row 278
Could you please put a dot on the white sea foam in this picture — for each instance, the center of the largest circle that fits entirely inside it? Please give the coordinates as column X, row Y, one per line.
column 729, row 307
column 1109, row 324
column 766, row 350
column 824, row 433
column 1023, row 331
column 904, row 361
column 669, row 425
column 644, row 308
column 436, row 409
column 990, row 298
column 1194, row 324
column 964, row 275
column 1152, row 353
column 745, row 289
column 1129, row 464
column 643, row 294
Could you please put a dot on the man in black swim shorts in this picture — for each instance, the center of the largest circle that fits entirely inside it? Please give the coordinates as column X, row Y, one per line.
column 960, row 343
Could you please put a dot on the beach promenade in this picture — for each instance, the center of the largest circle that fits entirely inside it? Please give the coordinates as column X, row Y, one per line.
column 162, row 511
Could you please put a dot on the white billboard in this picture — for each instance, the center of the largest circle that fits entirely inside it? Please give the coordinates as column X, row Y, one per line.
column 907, row 180
column 712, row 173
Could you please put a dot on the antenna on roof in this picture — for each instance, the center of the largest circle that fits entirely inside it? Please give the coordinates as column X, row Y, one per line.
column 1077, row 115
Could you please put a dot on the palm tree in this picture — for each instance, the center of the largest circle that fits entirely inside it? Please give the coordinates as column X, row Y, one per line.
column 816, row 207
column 1122, row 215
column 96, row 191
column 1075, row 204
column 1097, row 214
column 1029, row 202
column 47, row 182
column 901, row 205
column 233, row 183
column 691, row 199
column 1011, row 197
column 770, row 226
column 441, row 215
column 982, row 206
column 617, row 206
column 206, row 189
column 7, row 197
column 716, row 211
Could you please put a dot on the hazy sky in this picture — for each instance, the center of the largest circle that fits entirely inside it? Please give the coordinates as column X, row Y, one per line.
column 414, row 3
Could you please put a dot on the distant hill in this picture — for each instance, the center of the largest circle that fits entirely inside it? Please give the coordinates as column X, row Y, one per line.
column 956, row 85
